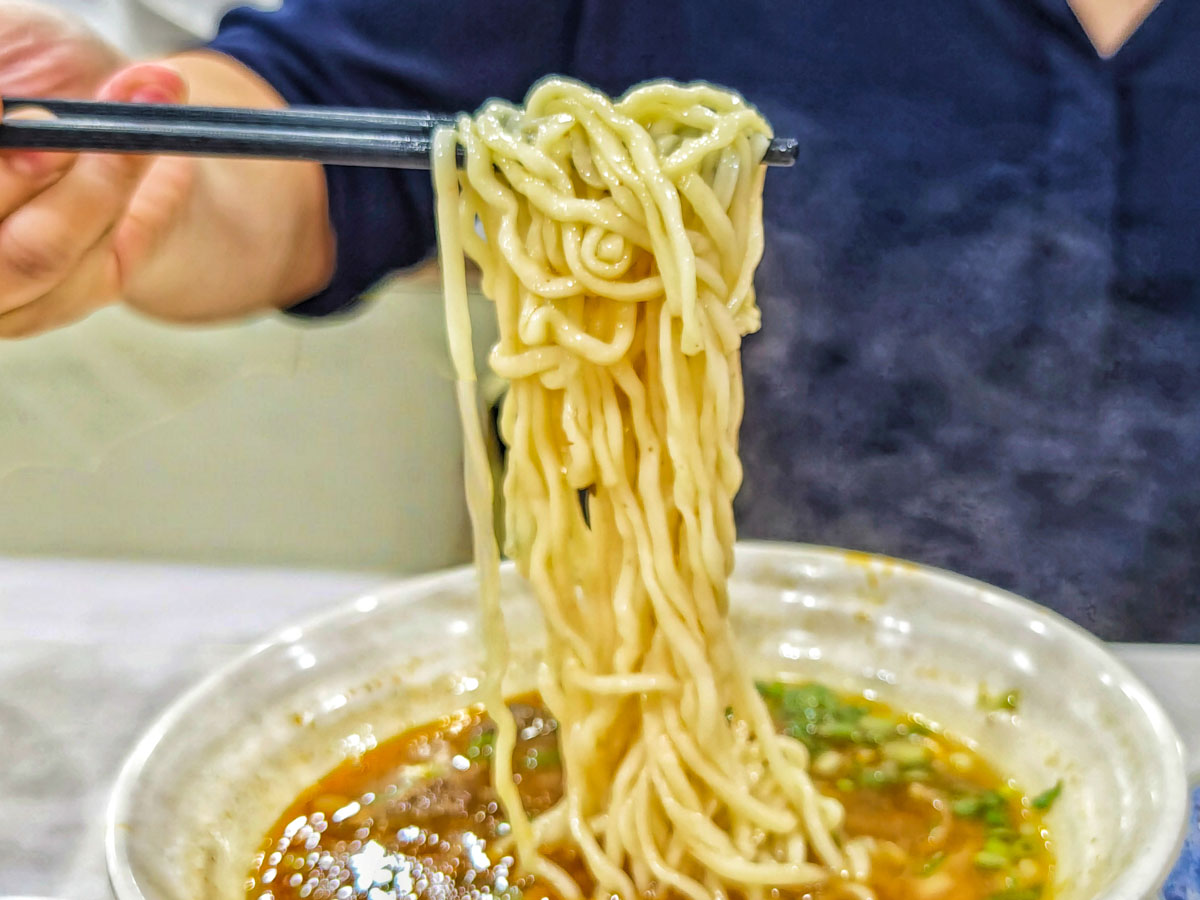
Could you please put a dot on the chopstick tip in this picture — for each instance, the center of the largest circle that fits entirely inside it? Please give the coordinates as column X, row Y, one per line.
column 782, row 152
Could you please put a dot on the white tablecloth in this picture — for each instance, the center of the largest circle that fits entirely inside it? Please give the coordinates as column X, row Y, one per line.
column 90, row 652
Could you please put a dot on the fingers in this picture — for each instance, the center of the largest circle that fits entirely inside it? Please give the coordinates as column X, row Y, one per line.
column 76, row 297
column 62, row 215
column 45, row 239
column 24, row 174
column 145, row 83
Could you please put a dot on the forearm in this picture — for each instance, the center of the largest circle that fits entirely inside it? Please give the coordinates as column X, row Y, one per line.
column 247, row 235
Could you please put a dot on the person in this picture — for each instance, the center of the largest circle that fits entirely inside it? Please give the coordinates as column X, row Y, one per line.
column 980, row 292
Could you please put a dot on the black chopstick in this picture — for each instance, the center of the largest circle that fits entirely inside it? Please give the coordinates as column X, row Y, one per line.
column 376, row 138
column 381, row 149
column 309, row 118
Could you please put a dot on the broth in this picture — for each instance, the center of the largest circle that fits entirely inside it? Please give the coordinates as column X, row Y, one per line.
column 416, row 816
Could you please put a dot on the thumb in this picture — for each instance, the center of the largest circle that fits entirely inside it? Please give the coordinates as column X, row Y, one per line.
column 145, row 83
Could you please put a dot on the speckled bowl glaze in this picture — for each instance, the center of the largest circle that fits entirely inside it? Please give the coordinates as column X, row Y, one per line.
column 202, row 787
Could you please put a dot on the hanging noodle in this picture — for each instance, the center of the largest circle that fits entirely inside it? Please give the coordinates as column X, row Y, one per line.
column 618, row 242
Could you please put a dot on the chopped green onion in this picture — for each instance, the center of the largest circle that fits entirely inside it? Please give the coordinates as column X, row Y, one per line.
column 876, row 730
column 985, row 860
column 997, row 847
column 931, row 865
column 987, row 805
column 1046, row 798
column 880, row 776
column 481, row 744
column 996, row 815
column 802, row 699
column 1023, row 847
column 965, row 807
column 907, row 753
column 1005, row 700
column 821, row 720
column 845, row 731
column 770, row 690
column 992, row 800
column 548, row 757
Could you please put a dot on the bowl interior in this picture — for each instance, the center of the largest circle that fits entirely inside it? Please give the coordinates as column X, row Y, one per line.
column 203, row 786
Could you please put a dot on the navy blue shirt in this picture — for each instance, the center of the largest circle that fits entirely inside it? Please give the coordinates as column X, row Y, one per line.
column 981, row 341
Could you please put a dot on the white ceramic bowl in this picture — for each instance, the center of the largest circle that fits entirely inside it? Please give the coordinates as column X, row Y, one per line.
column 213, row 774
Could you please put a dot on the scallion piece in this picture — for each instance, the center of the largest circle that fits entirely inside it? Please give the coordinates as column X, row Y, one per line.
column 986, row 860
column 931, row 865
column 1046, row 798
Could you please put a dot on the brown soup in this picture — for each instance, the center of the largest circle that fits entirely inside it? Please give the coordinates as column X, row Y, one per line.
column 416, row 817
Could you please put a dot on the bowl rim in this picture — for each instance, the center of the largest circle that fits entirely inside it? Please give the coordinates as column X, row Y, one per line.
column 1137, row 881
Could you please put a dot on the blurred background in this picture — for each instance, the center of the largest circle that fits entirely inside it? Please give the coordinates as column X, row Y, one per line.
column 274, row 442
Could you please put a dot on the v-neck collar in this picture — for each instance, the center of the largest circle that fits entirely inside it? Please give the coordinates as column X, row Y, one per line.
column 1141, row 46
column 1107, row 35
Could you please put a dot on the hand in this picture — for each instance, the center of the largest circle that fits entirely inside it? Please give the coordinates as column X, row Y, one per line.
column 185, row 239
column 74, row 229
column 46, row 53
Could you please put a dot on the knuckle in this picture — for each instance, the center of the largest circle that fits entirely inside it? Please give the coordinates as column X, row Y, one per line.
column 33, row 256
